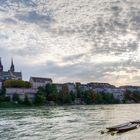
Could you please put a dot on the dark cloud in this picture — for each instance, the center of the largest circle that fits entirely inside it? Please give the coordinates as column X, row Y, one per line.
column 109, row 28
column 74, row 58
column 28, row 51
column 90, row 71
column 34, row 17
column 17, row 3
column 3, row 36
column 9, row 21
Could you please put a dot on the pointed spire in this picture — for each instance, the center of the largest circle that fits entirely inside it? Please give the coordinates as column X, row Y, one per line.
column 12, row 68
column 1, row 66
column 0, row 61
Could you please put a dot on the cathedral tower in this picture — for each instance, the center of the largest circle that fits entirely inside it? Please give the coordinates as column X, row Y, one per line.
column 1, row 66
column 12, row 68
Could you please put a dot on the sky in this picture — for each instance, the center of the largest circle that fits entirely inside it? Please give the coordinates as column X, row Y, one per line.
column 72, row 40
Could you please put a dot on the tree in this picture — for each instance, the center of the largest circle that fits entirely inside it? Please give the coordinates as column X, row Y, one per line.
column 26, row 100
column 107, row 98
column 88, row 97
column 99, row 98
column 73, row 95
column 17, row 84
column 15, row 98
column 2, row 94
column 48, row 89
column 78, row 90
column 40, row 98
column 51, row 92
column 2, row 91
column 64, row 98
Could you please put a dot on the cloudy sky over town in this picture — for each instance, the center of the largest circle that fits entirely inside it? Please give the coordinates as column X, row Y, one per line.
column 72, row 40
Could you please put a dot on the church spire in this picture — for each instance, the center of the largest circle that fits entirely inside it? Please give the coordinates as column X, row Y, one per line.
column 12, row 68
column 1, row 66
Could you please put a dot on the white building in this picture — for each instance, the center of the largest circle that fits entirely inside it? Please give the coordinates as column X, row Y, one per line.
column 84, row 87
column 71, row 87
column 118, row 93
column 39, row 82
column 21, row 92
column 131, row 88
column 59, row 87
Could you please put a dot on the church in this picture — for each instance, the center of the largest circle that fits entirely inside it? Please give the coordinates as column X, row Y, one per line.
column 11, row 74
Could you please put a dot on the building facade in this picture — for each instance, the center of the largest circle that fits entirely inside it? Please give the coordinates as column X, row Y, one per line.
column 39, row 82
column 11, row 74
column 131, row 88
column 21, row 93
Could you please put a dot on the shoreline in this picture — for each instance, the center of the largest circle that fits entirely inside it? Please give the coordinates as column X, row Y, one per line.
column 11, row 105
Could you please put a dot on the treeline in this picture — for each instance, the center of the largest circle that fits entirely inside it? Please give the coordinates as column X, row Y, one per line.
column 49, row 93
column 132, row 96
column 17, row 84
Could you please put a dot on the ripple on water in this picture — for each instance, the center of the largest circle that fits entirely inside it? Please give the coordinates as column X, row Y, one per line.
column 71, row 122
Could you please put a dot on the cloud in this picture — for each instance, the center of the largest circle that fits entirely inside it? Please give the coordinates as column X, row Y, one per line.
column 34, row 17
column 17, row 3
column 79, row 40
column 80, row 72
column 9, row 21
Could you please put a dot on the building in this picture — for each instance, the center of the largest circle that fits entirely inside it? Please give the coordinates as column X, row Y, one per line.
column 118, row 93
column 84, row 87
column 71, row 87
column 59, row 87
column 11, row 74
column 21, row 93
column 39, row 82
column 131, row 88
column 100, row 85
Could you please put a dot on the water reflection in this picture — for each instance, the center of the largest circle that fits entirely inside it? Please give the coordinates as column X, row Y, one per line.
column 69, row 122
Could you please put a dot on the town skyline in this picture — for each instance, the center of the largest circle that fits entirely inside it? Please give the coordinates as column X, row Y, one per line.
column 12, row 68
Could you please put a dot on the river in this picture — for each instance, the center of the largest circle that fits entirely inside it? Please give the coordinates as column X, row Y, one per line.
column 67, row 123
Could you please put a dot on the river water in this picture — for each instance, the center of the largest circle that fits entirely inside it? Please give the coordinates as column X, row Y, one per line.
column 67, row 123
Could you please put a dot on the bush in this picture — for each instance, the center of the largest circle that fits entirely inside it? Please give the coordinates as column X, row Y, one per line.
column 7, row 99
column 64, row 98
column 17, row 84
column 26, row 100
column 88, row 97
column 40, row 98
column 15, row 98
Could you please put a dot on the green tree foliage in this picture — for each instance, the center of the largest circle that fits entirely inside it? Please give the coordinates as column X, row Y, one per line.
column 15, row 98
column 2, row 94
column 64, row 98
column 99, row 98
column 40, row 98
column 26, row 100
column 88, row 97
column 73, row 96
column 78, row 91
column 2, row 91
column 105, row 98
column 7, row 99
column 17, row 84
column 51, row 92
